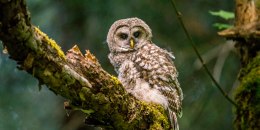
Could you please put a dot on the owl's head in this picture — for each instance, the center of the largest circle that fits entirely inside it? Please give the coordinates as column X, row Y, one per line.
column 127, row 35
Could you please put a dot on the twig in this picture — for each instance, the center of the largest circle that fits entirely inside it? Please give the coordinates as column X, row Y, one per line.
column 199, row 56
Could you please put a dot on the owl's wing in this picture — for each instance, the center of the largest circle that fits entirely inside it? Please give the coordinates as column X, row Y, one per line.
column 177, row 103
column 157, row 68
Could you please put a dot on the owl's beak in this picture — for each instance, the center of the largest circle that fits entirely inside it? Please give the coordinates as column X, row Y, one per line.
column 132, row 43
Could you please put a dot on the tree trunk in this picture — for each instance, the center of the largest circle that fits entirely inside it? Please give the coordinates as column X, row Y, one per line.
column 78, row 78
column 247, row 36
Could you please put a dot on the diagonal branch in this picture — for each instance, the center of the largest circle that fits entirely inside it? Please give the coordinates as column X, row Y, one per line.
column 78, row 78
column 199, row 56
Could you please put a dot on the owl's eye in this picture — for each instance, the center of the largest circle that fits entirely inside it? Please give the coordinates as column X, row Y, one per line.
column 123, row 36
column 136, row 34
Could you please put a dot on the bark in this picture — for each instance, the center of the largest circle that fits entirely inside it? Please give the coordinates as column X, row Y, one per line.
column 74, row 76
column 247, row 36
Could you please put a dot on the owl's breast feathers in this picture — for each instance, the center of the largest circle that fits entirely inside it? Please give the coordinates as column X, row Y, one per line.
column 150, row 75
column 157, row 68
column 117, row 59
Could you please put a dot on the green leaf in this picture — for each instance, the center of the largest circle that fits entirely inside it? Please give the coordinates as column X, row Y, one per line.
column 221, row 26
column 87, row 111
column 223, row 14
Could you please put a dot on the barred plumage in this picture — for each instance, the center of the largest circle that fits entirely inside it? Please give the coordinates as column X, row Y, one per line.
column 145, row 70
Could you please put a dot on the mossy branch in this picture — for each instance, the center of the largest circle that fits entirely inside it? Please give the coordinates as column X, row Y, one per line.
column 78, row 78
column 246, row 34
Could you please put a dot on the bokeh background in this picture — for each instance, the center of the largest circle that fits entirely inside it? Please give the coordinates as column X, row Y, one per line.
column 23, row 106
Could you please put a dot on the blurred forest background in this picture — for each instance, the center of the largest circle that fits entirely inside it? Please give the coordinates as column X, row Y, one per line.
column 85, row 23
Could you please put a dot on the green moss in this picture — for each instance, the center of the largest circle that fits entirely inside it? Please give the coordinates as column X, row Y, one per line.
column 247, row 96
column 158, row 117
column 115, row 79
column 252, row 78
column 156, row 126
column 119, row 119
column 85, row 95
column 68, row 79
column 82, row 96
column 51, row 42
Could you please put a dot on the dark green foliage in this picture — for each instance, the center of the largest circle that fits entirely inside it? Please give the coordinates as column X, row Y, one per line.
column 224, row 15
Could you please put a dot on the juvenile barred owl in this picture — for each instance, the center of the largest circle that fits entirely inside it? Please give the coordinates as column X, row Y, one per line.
column 145, row 70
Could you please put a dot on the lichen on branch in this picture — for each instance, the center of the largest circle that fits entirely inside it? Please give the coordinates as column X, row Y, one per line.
column 77, row 77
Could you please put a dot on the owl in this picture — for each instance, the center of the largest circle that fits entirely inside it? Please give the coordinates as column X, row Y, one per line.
column 145, row 70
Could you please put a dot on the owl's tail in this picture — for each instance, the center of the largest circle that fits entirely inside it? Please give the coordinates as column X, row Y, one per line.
column 173, row 119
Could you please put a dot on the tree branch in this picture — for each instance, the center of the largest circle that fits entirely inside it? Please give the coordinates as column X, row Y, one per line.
column 246, row 22
column 199, row 56
column 78, row 78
